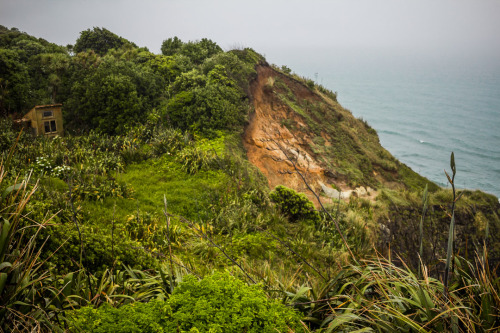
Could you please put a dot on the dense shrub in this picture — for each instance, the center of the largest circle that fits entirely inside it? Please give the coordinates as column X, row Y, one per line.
column 101, row 40
column 168, row 140
column 194, row 159
column 218, row 303
column 294, row 205
column 101, row 250
column 171, row 46
column 206, row 103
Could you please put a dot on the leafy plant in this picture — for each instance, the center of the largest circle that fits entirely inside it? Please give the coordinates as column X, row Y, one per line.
column 217, row 303
column 169, row 141
column 194, row 159
column 21, row 273
column 294, row 205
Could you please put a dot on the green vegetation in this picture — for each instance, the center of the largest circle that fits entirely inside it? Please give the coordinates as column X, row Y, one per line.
column 354, row 154
column 110, row 84
column 147, row 217
column 100, row 40
column 294, row 205
column 217, row 303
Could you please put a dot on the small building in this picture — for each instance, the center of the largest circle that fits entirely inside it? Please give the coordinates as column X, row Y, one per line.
column 45, row 120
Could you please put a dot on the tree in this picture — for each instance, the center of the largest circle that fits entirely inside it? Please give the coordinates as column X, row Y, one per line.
column 239, row 71
column 198, row 51
column 166, row 66
column 106, row 102
column 206, row 102
column 14, row 83
column 108, row 94
column 29, row 48
column 171, row 46
column 101, row 40
column 20, row 41
column 47, row 71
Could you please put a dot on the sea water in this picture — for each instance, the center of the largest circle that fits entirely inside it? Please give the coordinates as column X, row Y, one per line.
column 424, row 110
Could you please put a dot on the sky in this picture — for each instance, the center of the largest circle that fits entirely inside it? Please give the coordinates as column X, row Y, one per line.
column 280, row 29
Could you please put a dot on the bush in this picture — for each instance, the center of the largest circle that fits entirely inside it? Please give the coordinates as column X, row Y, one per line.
column 296, row 206
column 101, row 249
column 218, row 303
column 286, row 69
column 194, row 159
column 169, row 141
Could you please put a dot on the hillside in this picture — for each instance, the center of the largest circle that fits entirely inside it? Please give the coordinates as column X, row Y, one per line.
column 333, row 148
column 295, row 120
column 163, row 207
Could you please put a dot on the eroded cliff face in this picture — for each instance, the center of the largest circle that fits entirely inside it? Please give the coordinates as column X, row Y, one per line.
column 279, row 135
column 265, row 134
column 296, row 127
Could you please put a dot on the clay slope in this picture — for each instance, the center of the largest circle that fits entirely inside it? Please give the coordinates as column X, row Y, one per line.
column 329, row 146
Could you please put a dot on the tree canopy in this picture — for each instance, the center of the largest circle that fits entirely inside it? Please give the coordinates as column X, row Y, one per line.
column 101, row 40
column 107, row 83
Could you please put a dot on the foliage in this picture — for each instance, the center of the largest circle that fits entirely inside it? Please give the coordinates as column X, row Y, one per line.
column 198, row 51
column 31, row 71
column 217, row 303
column 236, row 70
column 98, row 189
column 377, row 294
column 171, row 46
column 21, row 276
column 101, row 40
column 168, row 140
column 102, row 250
column 47, row 72
column 294, row 205
column 117, row 93
column 110, row 84
column 8, row 136
column 14, row 83
column 206, row 102
column 249, row 56
column 194, row 159
column 168, row 67
column 286, row 69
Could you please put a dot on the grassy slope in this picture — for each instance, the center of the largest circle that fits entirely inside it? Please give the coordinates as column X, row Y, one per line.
column 347, row 146
column 152, row 179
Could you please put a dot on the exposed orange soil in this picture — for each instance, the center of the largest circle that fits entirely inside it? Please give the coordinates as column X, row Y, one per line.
column 265, row 129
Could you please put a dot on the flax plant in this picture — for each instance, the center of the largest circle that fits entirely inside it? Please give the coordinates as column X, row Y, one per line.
column 378, row 296
column 451, row 233
column 425, row 201
column 21, row 273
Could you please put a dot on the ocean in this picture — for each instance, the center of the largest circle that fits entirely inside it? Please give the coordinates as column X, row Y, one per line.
column 423, row 111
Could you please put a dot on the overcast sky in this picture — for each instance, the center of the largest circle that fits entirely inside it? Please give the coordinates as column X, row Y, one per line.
column 276, row 28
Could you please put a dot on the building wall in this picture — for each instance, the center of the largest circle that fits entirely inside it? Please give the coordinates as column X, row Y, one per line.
column 38, row 121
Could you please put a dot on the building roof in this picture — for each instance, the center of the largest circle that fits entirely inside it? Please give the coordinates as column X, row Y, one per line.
column 22, row 120
column 47, row 106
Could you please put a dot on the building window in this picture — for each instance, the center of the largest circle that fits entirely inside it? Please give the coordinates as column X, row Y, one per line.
column 50, row 126
column 48, row 114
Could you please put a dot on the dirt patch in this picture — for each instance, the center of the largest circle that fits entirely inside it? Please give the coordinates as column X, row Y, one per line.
column 267, row 129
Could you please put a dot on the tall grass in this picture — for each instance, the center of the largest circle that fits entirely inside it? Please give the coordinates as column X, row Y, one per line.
column 33, row 297
column 377, row 295
column 21, row 274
